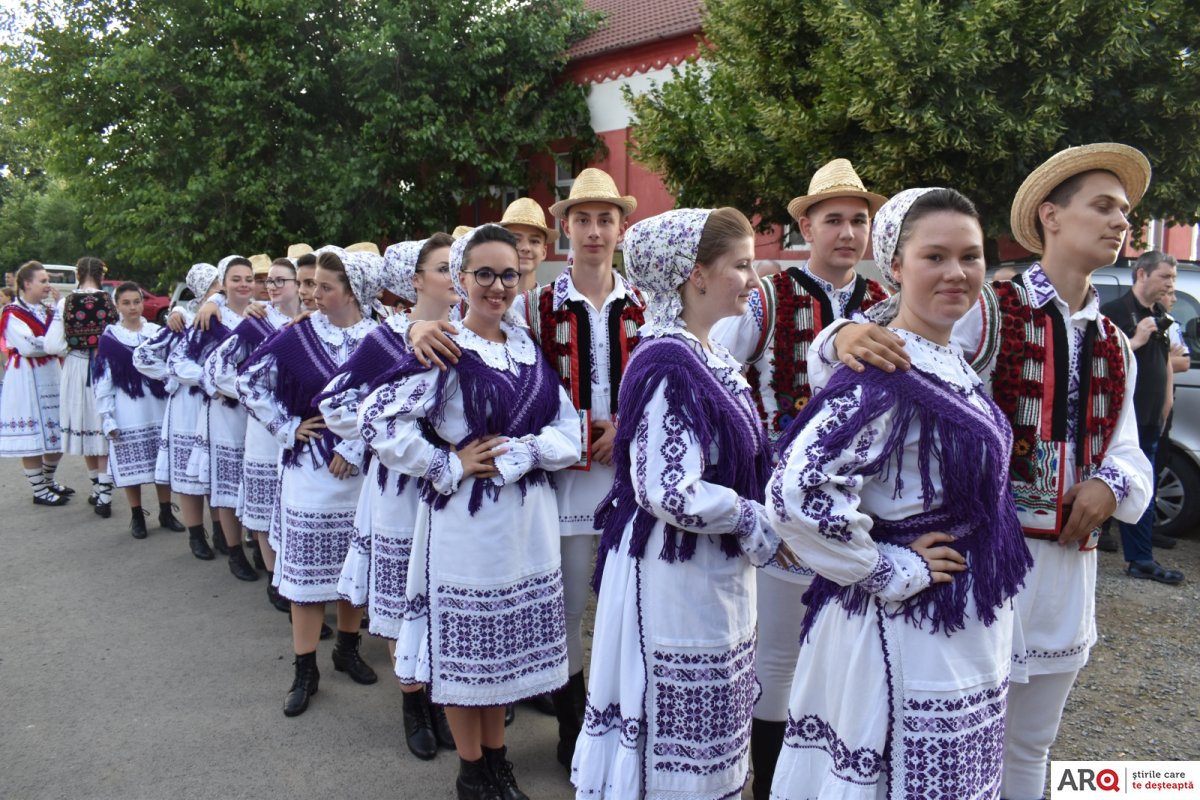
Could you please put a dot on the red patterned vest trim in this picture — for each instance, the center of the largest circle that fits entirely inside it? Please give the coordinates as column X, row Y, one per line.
column 36, row 327
column 801, row 311
column 1030, row 385
column 565, row 336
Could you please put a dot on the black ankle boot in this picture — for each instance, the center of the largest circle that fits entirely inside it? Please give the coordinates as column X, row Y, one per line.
column 239, row 566
column 137, row 525
column 766, row 741
column 256, row 557
column 199, row 544
column 570, row 721
column 280, row 602
column 441, row 725
column 168, row 520
column 304, row 685
column 510, row 713
column 326, row 631
column 475, row 781
column 418, row 725
column 219, row 539
column 501, row 770
column 346, row 658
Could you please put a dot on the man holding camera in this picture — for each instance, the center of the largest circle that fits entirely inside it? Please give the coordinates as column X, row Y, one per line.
column 1145, row 322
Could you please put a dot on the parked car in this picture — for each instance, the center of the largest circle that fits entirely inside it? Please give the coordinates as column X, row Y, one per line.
column 62, row 277
column 1177, row 504
column 154, row 307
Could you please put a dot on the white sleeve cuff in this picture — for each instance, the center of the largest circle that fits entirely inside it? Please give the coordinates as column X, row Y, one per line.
column 899, row 573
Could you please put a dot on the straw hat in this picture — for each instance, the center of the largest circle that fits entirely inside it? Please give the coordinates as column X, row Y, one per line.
column 461, row 231
column 594, row 186
column 835, row 179
column 297, row 250
column 1127, row 163
column 525, row 211
column 260, row 264
column 363, row 247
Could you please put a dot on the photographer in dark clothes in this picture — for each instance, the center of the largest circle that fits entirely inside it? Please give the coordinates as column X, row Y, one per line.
column 1144, row 321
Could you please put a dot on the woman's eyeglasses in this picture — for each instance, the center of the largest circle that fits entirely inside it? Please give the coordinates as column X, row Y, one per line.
column 486, row 276
column 277, row 283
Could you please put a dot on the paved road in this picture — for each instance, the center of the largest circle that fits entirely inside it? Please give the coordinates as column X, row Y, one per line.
column 128, row 669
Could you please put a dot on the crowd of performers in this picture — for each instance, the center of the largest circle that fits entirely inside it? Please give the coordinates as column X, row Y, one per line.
column 842, row 532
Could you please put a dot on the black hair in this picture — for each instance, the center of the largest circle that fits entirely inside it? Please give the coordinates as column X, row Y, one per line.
column 331, row 262
column 931, row 203
column 306, row 260
column 489, row 233
column 127, row 286
column 434, row 242
column 89, row 267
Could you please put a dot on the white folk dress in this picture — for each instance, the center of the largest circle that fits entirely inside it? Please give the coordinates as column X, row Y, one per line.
column 185, row 407
column 29, row 424
column 672, row 678
column 484, row 622
column 221, row 433
column 375, row 574
column 258, row 493
column 880, row 708
column 133, row 455
column 313, row 519
column 80, row 421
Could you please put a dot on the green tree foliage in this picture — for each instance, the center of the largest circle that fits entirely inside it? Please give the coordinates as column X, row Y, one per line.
column 970, row 93
column 187, row 129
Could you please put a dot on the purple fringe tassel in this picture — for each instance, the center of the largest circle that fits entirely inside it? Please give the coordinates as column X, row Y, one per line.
column 113, row 357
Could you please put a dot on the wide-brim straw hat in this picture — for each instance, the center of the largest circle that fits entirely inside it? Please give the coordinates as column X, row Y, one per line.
column 835, row 179
column 363, row 247
column 594, row 186
column 461, row 231
column 260, row 263
column 525, row 211
column 1131, row 167
column 294, row 251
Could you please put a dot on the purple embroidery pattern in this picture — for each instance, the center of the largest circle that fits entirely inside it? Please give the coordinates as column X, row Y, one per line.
column 260, row 493
column 672, row 452
column 493, row 636
column 134, row 454
column 1117, row 481
column 880, row 576
column 861, row 766
column 227, row 473
column 315, row 546
column 597, row 722
column 702, row 708
column 953, row 748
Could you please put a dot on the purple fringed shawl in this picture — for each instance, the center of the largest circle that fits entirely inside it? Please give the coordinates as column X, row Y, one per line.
column 495, row 403
column 303, row 368
column 381, row 354
column 971, row 449
column 711, row 414
column 201, row 343
column 115, row 357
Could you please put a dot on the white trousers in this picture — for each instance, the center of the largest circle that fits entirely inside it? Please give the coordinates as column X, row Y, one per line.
column 780, row 613
column 1035, row 710
column 578, row 564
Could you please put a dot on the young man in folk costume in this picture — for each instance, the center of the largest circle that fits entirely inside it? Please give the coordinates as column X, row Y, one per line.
column 586, row 322
column 525, row 220
column 1064, row 375
column 772, row 338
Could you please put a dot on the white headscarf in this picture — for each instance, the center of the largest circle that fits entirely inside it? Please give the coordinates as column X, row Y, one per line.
column 660, row 254
column 223, row 266
column 399, row 267
column 885, row 235
column 200, row 277
column 363, row 273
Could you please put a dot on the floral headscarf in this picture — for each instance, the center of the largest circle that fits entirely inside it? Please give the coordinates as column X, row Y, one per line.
column 399, row 266
column 458, row 252
column 363, row 273
column 200, row 277
column 885, row 235
column 223, row 266
column 660, row 254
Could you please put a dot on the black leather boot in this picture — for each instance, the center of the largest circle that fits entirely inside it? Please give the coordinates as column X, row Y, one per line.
column 137, row 525
column 256, row 556
column 766, row 740
column 304, row 685
column 240, row 566
column 570, row 717
column 418, row 725
column 199, row 544
column 441, row 725
column 219, row 539
column 501, row 770
column 346, row 658
column 168, row 520
column 280, row 602
column 475, row 781
column 510, row 713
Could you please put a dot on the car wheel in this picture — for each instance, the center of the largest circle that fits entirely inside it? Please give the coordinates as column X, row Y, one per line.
column 1177, row 502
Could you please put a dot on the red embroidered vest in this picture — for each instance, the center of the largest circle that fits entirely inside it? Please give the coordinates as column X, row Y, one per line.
column 795, row 310
column 1030, row 385
column 85, row 316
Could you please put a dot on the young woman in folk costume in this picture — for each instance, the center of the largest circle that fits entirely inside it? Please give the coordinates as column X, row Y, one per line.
column 484, row 625
column 131, row 408
column 672, row 673
column 258, row 494
column 79, row 320
column 306, row 281
column 216, row 458
column 185, row 407
column 29, row 427
column 894, row 488
column 376, row 567
column 319, row 485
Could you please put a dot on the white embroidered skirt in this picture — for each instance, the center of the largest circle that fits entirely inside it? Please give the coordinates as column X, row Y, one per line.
column 177, row 441
column 82, row 435
column 259, row 491
column 29, row 409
